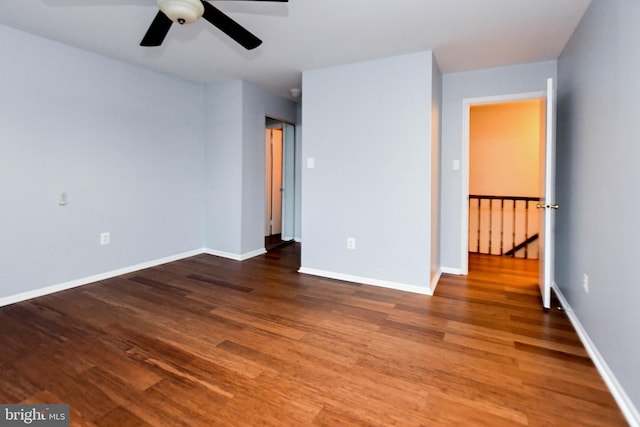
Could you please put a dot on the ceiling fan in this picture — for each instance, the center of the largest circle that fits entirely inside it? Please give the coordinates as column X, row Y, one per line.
column 188, row 11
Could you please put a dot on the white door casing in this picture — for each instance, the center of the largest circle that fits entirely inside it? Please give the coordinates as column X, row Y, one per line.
column 547, row 185
column 547, row 205
column 467, row 103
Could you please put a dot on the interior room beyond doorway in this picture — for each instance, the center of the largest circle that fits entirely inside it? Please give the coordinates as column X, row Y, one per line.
column 504, row 178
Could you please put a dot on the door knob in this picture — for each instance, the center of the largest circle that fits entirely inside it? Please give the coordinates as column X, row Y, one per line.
column 541, row 206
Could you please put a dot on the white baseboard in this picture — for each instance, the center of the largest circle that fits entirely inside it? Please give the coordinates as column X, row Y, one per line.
column 23, row 296
column 434, row 280
column 624, row 402
column 450, row 270
column 253, row 254
column 367, row 281
column 235, row 257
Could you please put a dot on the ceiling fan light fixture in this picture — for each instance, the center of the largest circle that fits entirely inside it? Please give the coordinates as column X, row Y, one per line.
column 182, row 11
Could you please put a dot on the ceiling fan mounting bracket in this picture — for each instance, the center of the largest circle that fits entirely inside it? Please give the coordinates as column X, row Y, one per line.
column 182, row 11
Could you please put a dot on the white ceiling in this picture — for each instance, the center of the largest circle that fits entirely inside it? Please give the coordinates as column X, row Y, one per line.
column 308, row 34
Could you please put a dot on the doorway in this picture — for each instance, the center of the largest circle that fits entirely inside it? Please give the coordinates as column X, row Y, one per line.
column 547, row 110
column 546, row 205
column 279, row 224
column 468, row 104
column 504, row 177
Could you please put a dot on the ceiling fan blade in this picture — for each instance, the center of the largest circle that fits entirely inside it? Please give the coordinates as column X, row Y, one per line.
column 230, row 27
column 157, row 30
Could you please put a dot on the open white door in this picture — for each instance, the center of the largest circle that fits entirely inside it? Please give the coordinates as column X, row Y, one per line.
column 547, row 205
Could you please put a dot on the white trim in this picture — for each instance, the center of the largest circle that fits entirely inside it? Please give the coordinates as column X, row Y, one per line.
column 252, row 254
column 367, row 281
column 434, row 281
column 298, row 239
column 464, row 197
column 464, row 163
column 23, row 296
column 222, row 254
column 452, row 270
column 496, row 99
column 624, row 402
column 235, row 257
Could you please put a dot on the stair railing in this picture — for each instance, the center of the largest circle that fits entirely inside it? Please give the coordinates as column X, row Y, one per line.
column 503, row 225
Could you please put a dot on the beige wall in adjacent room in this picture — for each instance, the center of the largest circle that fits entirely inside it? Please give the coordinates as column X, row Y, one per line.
column 504, row 148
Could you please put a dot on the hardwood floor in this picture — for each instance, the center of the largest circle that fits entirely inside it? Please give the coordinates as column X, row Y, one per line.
column 208, row 341
column 275, row 241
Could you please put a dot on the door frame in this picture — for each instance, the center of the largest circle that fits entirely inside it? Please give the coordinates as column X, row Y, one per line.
column 467, row 103
column 547, row 205
column 272, row 196
column 289, row 165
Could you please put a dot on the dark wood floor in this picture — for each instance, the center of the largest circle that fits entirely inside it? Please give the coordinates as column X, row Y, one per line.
column 208, row 341
column 275, row 241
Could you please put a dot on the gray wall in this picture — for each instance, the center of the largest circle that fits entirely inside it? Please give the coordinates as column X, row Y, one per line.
column 298, row 174
column 370, row 135
column 223, row 165
column 166, row 166
column 235, row 165
column 123, row 142
column 456, row 87
column 598, row 148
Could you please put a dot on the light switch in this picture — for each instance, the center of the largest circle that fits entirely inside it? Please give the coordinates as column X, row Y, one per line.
column 456, row 165
column 311, row 162
column 62, row 199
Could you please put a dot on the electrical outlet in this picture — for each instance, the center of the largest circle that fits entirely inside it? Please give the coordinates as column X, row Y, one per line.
column 105, row 238
column 351, row 243
column 585, row 283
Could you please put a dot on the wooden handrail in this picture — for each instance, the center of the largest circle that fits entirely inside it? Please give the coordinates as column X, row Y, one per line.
column 522, row 245
column 517, row 198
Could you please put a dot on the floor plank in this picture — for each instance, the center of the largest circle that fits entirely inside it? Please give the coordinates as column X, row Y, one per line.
column 210, row 341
